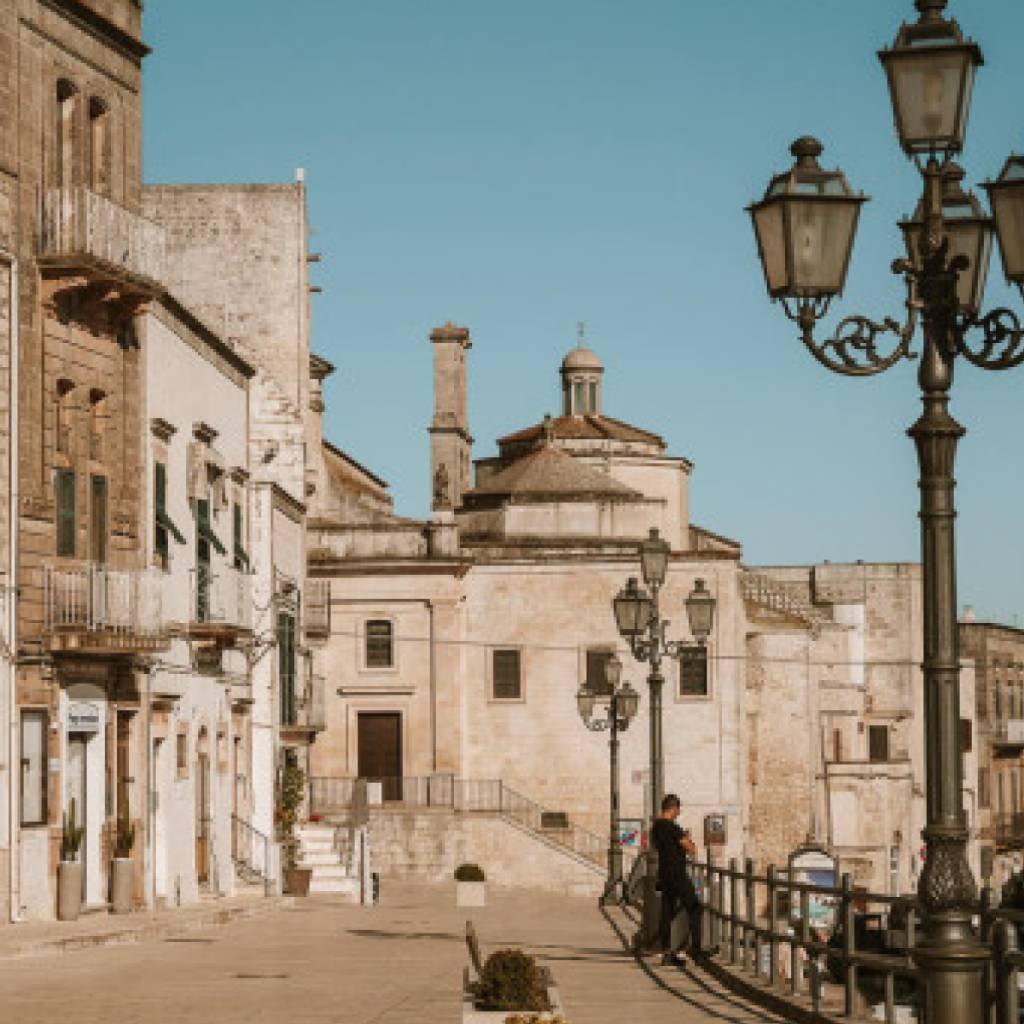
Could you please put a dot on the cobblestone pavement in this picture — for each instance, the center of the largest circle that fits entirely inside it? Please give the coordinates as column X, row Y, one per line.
column 321, row 961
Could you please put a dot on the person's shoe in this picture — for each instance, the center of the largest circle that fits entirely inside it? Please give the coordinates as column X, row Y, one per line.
column 672, row 960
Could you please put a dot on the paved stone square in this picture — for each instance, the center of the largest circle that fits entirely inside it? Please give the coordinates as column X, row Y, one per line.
column 322, row 961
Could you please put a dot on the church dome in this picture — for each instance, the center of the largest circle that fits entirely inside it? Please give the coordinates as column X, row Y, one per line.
column 581, row 358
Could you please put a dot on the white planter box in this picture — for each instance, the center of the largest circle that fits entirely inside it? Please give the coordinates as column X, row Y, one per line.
column 470, row 894
column 375, row 793
column 471, row 1015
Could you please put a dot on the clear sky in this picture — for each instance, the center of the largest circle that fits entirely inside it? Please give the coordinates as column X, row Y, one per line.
column 519, row 166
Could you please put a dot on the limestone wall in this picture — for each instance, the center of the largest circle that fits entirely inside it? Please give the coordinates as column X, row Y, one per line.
column 429, row 845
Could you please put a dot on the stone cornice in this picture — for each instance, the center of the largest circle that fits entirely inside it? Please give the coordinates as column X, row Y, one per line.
column 97, row 25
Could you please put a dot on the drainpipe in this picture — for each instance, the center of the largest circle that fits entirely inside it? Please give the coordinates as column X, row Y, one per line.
column 14, row 508
column 433, row 688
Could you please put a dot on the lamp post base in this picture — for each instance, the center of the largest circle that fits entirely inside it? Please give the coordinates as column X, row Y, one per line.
column 954, row 974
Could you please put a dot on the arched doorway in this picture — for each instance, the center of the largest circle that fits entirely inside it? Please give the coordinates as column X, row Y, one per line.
column 203, row 812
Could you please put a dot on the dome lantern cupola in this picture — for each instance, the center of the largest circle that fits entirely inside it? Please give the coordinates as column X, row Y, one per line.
column 581, row 381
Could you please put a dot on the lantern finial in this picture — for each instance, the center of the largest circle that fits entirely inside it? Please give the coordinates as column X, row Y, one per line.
column 931, row 10
column 807, row 149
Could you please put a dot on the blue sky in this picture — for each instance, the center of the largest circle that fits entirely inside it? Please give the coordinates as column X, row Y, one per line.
column 518, row 167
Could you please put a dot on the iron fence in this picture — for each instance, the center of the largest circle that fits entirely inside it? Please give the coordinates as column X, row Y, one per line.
column 250, row 850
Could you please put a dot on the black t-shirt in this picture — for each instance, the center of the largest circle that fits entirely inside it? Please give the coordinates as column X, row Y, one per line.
column 665, row 837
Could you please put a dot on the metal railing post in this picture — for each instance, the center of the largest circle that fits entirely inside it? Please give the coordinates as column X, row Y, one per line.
column 1007, row 994
column 750, row 930
column 772, row 914
column 734, row 900
column 846, row 913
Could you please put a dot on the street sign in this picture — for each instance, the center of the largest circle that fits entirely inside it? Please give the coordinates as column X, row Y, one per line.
column 83, row 717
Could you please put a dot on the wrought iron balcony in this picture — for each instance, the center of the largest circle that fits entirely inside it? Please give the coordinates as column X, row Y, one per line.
column 1008, row 829
column 221, row 600
column 81, row 229
column 316, row 617
column 1008, row 732
column 94, row 607
column 306, row 714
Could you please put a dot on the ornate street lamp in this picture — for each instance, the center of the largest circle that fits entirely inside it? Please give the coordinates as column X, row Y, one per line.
column 931, row 71
column 1007, row 198
column 638, row 617
column 618, row 705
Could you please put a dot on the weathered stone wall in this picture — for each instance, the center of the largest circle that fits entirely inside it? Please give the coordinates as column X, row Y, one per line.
column 430, row 845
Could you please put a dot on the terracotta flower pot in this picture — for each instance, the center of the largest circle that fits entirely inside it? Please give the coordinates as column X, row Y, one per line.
column 296, row 881
column 122, row 884
column 69, row 890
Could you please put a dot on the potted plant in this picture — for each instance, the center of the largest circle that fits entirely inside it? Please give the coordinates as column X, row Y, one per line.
column 122, row 867
column 469, row 886
column 296, row 879
column 512, row 982
column 69, row 871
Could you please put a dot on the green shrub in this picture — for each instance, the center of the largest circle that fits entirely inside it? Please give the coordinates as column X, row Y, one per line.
column 71, row 835
column 511, row 980
column 469, row 873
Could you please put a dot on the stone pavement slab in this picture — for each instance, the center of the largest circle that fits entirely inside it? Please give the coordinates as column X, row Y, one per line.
column 325, row 962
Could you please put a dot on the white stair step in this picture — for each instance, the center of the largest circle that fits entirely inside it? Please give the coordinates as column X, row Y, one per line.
column 348, row 886
column 314, row 857
column 323, row 871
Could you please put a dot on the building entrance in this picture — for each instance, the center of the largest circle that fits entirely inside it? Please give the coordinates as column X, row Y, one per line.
column 380, row 750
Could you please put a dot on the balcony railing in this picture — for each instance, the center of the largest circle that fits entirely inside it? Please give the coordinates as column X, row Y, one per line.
column 307, row 710
column 317, row 612
column 221, row 598
column 96, row 599
column 81, row 227
column 1009, row 732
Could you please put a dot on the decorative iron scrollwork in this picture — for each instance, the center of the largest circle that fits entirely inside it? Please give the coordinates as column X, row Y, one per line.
column 1002, row 343
column 854, row 350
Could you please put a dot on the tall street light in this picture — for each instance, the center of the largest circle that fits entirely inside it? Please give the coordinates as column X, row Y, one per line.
column 805, row 226
column 616, row 705
column 638, row 617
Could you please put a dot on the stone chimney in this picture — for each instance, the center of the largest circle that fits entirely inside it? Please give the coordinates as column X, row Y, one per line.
column 451, row 445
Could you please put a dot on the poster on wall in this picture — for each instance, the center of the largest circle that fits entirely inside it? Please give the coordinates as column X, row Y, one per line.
column 630, row 830
column 815, row 866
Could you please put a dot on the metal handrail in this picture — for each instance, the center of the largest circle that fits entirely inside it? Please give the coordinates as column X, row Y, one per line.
column 463, row 796
column 245, row 841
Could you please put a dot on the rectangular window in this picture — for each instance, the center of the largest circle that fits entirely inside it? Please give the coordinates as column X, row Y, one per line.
column 984, row 787
column 579, row 399
column 593, row 397
column 161, row 535
column 693, row 672
column 181, row 754
column 33, row 767
column 380, row 646
column 507, row 679
column 837, row 746
column 65, row 501
column 286, row 666
column 597, row 663
column 1000, row 795
column 878, row 743
column 966, row 736
column 240, row 555
column 999, row 699
column 98, row 519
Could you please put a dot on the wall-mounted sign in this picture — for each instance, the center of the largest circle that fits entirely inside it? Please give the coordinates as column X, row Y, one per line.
column 630, row 831
column 715, row 830
column 815, row 866
column 83, row 717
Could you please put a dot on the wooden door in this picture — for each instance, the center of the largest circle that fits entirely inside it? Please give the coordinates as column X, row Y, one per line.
column 380, row 750
column 203, row 819
column 78, row 791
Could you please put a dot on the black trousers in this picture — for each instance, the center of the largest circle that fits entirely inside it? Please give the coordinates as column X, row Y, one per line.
column 676, row 894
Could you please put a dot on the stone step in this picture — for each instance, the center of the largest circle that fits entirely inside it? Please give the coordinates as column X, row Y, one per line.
column 347, row 886
column 326, row 870
column 316, row 844
column 316, row 857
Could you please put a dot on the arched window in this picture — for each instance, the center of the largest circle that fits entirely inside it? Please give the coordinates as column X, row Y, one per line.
column 97, row 422
column 99, row 146
column 67, row 103
column 62, row 417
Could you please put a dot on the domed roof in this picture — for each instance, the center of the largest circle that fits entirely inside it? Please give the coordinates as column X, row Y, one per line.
column 581, row 358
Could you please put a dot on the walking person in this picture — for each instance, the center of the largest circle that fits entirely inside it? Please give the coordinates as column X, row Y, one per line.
column 673, row 846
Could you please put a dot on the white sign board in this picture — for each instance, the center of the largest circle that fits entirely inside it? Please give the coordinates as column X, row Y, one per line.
column 83, row 717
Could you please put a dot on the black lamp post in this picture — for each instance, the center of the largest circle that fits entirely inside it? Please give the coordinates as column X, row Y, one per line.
column 617, row 704
column 638, row 617
column 805, row 227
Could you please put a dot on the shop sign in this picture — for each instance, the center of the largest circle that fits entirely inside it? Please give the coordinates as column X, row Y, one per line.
column 83, row 717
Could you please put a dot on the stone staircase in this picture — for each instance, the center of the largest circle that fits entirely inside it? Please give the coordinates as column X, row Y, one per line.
column 328, row 852
column 780, row 598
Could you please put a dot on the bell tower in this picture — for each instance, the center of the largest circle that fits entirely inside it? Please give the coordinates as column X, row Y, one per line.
column 451, row 445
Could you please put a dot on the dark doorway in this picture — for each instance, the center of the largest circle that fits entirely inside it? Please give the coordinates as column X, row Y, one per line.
column 380, row 751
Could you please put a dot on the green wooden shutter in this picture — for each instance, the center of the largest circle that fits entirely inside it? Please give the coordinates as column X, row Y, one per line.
column 65, row 496
column 98, row 519
column 286, row 666
column 161, row 542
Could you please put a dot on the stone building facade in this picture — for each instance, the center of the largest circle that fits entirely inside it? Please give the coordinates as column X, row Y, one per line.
column 454, row 649
column 153, row 499
column 997, row 652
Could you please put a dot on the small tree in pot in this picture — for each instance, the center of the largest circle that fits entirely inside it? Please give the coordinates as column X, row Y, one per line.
column 122, row 867
column 511, row 980
column 296, row 879
column 469, row 886
column 69, row 871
